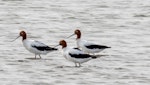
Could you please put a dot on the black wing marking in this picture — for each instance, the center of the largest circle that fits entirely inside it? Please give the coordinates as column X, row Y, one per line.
column 97, row 46
column 42, row 47
column 80, row 55
column 77, row 49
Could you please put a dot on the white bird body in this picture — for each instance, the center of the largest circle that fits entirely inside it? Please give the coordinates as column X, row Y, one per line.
column 85, row 46
column 69, row 52
column 30, row 46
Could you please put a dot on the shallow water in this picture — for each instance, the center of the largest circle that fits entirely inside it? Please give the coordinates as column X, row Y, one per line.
column 121, row 24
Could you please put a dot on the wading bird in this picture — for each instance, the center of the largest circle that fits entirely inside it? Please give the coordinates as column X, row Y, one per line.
column 33, row 46
column 87, row 46
column 75, row 55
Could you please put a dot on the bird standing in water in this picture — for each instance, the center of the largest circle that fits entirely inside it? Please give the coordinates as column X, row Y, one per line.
column 33, row 46
column 75, row 55
column 87, row 46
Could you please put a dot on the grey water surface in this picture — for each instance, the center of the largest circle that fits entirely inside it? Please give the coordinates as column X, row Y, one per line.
column 122, row 24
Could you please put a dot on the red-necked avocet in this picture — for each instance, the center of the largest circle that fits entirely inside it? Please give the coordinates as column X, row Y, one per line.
column 33, row 46
column 75, row 55
column 86, row 46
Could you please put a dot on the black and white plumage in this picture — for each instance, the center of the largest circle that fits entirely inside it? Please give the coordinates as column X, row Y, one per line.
column 35, row 47
column 41, row 47
column 89, row 47
column 83, row 56
column 94, row 46
column 86, row 46
column 77, row 48
column 75, row 55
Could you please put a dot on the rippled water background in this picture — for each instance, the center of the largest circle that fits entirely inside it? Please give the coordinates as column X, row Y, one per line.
column 122, row 24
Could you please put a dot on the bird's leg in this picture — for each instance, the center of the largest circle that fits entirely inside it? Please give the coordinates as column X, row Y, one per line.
column 40, row 56
column 79, row 65
column 76, row 65
column 35, row 56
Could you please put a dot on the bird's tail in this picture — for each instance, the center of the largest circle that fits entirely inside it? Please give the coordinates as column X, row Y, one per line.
column 54, row 48
column 94, row 57
column 51, row 49
column 107, row 47
column 98, row 56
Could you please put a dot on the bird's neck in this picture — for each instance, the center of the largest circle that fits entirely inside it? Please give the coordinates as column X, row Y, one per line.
column 24, row 37
column 64, row 45
column 79, row 36
column 78, row 41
